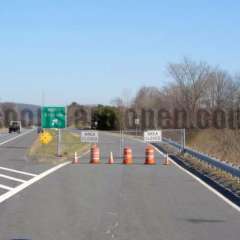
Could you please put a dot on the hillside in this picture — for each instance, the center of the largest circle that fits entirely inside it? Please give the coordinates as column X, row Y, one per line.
column 19, row 107
column 222, row 144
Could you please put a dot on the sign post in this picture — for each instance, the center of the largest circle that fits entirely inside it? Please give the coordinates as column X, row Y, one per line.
column 59, row 143
column 55, row 118
column 137, row 123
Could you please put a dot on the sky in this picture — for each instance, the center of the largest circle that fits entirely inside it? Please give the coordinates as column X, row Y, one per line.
column 94, row 51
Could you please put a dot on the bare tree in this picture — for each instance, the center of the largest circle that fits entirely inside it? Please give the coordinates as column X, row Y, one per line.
column 221, row 91
column 147, row 97
column 190, row 80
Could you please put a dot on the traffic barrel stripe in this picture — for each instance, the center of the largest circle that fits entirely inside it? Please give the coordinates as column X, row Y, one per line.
column 150, row 158
column 127, row 156
column 95, row 155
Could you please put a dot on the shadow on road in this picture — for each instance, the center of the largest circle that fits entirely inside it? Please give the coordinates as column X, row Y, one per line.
column 203, row 220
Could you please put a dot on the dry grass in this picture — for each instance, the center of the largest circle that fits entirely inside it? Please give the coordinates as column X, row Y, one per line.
column 47, row 153
column 224, row 178
column 223, row 144
column 3, row 130
column 221, row 177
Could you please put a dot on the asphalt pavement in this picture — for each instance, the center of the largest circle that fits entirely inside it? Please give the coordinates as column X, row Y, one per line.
column 13, row 153
column 83, row 201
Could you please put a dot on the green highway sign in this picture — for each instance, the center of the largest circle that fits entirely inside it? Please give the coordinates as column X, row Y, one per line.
column 54, row 117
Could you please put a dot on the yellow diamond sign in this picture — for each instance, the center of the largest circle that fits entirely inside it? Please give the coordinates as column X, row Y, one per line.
column 45, row 138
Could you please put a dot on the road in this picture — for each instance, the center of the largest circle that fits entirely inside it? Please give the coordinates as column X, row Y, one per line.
column 85, row 202
column 13, row 153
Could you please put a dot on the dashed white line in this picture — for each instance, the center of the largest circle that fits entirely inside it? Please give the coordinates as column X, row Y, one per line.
column 12, row 178
column 5, row 187
column 17, row 171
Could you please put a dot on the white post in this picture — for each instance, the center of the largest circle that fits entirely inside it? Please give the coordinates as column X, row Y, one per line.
column 122, row 143
column 184, row 139
column 76, row 157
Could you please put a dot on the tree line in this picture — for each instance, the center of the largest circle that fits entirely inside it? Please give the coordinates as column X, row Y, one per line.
column 197, row 95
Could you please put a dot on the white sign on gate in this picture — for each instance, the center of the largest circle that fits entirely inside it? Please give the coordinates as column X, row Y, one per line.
column 153, row 136
column 89, row 137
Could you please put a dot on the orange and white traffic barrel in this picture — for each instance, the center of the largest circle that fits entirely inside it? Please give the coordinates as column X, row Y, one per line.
column 150, row 158
column 95, row 155
column 127, row 156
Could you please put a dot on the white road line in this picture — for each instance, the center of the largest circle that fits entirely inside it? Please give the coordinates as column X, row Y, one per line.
column 19, row 188
column 18, row 136
column 37, row 178
column 17, row 171
column 6, row 187
column 226, row 200
column 12, row 178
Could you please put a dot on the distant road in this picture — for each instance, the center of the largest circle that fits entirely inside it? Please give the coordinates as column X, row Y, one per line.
column 13, row 150
column 115, row 201
column 5, row 136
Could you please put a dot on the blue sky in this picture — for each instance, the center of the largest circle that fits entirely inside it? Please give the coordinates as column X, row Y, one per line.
column 90, row 51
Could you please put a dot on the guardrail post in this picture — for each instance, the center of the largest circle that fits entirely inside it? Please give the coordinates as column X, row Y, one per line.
column 184, row 140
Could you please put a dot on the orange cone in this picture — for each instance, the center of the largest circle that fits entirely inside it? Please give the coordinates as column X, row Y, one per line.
column 111, row 160
column 150, row 159
column 75, row 159
column 95, row 155
column 127, row 156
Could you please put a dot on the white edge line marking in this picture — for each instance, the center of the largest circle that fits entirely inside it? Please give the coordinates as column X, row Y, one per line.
column 12, row 178
column 21, row 187
column 16, row 171
column 226, row 200
column 5, row 187
column 16, row 190
column 18, row 136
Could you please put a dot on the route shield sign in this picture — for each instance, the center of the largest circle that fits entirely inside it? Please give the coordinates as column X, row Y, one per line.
column 89, row 137
column 54, row 117
column 153, row 136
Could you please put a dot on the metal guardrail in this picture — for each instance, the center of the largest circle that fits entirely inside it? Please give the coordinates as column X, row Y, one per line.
column 234, row 171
